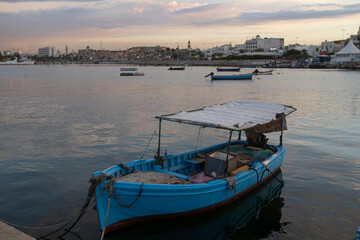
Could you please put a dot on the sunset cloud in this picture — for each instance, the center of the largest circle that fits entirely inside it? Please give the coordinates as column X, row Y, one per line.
column 30, row 20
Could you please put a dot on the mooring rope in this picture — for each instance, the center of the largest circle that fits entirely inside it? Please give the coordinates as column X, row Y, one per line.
column 128, row 206
column 94, row 182
column 107, row 211
column 267, row 169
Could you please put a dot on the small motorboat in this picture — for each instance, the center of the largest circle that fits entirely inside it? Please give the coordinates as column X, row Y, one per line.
column 219, row 69
column 132, row 74
column 245, row 76
column 198, row 180
column 176, row 68
column 128, row 69
column 257, row 72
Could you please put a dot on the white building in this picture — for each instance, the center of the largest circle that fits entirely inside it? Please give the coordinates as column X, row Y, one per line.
column 240, row 47
column 348, row 54
column 46, row 51
column 312, row 50
column 267, row 44
column 332, row 46
column 225, row 50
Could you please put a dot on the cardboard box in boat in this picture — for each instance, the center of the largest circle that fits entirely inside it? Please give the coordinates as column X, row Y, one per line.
column 217, row 166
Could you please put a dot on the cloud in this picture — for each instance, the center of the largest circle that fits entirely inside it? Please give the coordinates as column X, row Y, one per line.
column 146, row 19
column 259, row 17
column 299, row 14
column 19, row 1
column 197, row 9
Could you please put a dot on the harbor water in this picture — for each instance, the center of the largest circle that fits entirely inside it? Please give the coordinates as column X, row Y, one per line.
column 61, row 123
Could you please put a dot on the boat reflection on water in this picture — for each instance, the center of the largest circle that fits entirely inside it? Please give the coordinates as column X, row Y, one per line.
column 254, row 216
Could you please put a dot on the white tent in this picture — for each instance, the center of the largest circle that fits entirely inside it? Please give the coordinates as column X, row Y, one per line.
column 348, row 54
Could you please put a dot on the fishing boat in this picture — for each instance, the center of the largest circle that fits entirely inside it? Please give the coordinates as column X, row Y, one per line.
column 195, row 181
column 128, row 69
column 176, row 68
column 267, row 72
column 132, row 74
column 219, row 69
column 246, row 76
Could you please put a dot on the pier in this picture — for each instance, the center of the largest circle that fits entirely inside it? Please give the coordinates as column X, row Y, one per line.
column 9, row 233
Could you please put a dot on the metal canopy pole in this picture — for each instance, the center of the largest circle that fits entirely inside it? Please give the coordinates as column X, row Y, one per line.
column 239, row 137
column 158, row 158
column 228, row 151
column 282, row 130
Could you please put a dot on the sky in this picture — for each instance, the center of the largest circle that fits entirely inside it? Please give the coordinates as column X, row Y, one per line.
column 26, row 25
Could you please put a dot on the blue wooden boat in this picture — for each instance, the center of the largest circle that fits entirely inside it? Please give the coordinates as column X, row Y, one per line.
column 220, row 69
column 159, row 188
column 246, row 76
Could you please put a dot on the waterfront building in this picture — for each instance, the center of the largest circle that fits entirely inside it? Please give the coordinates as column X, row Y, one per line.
column 265, row 44
column 224, row 50
column 46, row 51
column 147, row 53
column 312, row 50
column 332, row 46
column 356, row 39
column 240, row 47
column 348, row 54
column 89, row 54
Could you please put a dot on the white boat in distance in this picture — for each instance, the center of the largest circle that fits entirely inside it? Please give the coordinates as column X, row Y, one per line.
column 23, row 61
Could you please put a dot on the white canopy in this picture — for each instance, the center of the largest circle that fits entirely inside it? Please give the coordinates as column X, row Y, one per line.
column 349, row 48
column 348, row 54
column 233, row 115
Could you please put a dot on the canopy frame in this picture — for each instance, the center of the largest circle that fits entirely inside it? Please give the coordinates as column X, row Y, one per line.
column 279, row 116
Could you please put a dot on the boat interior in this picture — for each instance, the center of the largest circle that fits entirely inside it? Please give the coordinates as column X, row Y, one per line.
column 199, row 166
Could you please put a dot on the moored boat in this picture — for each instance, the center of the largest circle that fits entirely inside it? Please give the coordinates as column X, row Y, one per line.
column 128, row 69
column 176, row 68
column 132, row 74
column 245, row 76
column 165, row 187
column 267, row 72
column 220, row 69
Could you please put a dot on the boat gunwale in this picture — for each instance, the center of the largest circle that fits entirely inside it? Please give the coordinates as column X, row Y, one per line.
column 211, row 184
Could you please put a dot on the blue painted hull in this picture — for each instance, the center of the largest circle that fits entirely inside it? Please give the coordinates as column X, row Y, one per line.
column 232, row 77
column 164, row 200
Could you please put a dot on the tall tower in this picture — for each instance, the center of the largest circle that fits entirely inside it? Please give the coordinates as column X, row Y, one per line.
column 66, row 50
column 189, row 46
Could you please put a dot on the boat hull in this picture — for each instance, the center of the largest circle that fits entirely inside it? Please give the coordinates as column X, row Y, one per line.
column 159, row 201
column 232, row 77
column 176, row 68
column 228, row 69
column 138, row 220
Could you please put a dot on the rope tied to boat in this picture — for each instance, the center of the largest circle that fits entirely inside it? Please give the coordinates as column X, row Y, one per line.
column 95, row 181
column 126, row 167
column 131, row 204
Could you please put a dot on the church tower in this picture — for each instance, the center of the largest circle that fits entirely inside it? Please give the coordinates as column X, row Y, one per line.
column 189, row 46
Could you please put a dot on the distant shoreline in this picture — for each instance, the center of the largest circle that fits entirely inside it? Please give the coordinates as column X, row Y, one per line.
column 215, row 63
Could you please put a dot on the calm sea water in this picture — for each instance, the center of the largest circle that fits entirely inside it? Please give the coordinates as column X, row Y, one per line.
column 58, row 124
